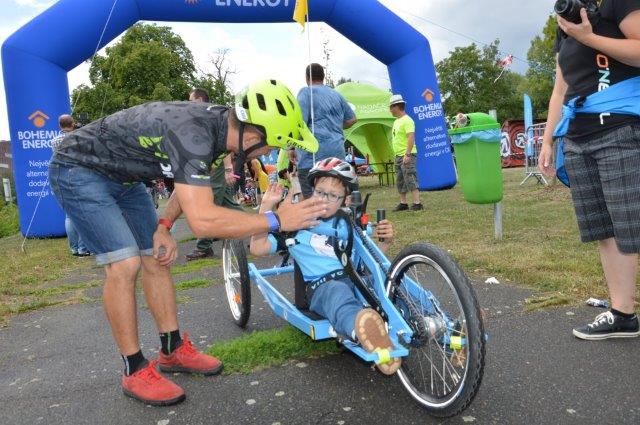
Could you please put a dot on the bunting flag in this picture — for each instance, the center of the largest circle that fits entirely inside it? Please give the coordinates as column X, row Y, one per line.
column 300, row 12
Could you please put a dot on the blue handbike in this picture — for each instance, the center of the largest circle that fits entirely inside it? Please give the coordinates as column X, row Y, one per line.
column 424, row 296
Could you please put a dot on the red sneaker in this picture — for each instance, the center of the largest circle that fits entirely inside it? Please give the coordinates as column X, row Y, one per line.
column 187, row 359
column 148, row 386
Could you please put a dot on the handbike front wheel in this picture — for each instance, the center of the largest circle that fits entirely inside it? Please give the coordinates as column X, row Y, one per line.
column 236, row 280
column 444, row 368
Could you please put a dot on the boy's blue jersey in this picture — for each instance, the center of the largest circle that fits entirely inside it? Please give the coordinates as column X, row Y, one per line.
column 312, row 252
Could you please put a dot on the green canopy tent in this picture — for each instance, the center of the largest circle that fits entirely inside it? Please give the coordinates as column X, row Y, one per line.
column 371, row 135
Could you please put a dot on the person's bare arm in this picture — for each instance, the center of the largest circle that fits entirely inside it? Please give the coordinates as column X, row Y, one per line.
column 555, row 105
column 625, row 50
column 172, row 210
column 165, row 248
column 208, row 220
column 349, row 123
column 411, row 140
column 553, row 116
column 260, row 245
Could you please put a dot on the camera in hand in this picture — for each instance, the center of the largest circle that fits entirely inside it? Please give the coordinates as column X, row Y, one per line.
column 570, row 10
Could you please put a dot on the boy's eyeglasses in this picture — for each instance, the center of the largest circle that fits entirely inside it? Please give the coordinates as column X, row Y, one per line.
column 331, row 197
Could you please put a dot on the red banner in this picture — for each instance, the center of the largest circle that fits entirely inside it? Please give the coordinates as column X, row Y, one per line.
column 513, row 143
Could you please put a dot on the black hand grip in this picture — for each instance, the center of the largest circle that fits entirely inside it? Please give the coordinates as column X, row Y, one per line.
column 380, row 215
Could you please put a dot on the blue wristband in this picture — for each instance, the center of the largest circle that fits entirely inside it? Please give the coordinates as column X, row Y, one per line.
column 274, row 221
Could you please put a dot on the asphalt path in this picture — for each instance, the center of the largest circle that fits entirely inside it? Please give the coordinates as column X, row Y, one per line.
column 59, row 365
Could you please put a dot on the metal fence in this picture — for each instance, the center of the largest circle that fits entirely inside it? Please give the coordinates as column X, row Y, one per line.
column 533, row 137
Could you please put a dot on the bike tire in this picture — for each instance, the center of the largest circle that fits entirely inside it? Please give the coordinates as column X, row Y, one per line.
column 236, row 280
column 464, row 365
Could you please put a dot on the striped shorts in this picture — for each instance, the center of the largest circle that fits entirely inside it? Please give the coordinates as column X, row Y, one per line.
column 604, row 171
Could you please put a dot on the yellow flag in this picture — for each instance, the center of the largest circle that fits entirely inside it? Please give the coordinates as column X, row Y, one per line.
column 300, row 12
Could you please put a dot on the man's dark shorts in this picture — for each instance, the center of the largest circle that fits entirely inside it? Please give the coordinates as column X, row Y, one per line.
column 604, row 172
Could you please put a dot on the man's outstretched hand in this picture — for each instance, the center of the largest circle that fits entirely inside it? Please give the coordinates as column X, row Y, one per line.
column 302, row 215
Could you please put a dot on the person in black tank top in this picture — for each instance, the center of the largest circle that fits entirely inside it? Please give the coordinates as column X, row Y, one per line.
column 602, row 152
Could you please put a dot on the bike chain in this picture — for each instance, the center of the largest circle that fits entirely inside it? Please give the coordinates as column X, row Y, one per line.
column 414, row 320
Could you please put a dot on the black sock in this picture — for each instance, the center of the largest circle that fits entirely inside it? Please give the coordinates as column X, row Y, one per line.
column 134, row 363
column 169, row 341
column 623, row 315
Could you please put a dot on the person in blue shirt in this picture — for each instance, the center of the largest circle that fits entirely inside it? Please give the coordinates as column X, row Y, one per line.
column 331, row 115
column 329, row 289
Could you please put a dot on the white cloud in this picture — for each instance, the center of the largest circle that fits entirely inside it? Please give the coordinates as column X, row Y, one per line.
column 515, row 23
column 36, row 4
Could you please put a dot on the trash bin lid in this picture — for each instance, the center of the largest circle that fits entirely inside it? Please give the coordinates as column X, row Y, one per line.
column 489, row 136
column 478, row 121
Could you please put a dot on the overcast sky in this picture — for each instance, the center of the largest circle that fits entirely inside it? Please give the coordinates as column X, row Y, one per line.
column 280, row 50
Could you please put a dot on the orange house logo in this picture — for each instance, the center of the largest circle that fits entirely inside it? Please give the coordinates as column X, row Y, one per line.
column 428, row 95
column 39, row 119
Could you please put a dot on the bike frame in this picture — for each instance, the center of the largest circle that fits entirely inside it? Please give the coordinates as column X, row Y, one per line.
column 399, row 331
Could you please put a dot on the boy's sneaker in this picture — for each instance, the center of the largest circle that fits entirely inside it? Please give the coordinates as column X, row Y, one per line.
column 372, row 334
column 148, row 386
column 608, row 325
column 401, row 207
column 187, row 359
column 416, row 207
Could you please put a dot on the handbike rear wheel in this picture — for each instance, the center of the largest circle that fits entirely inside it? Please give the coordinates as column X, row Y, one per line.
column 445, row 365
column 236, row 280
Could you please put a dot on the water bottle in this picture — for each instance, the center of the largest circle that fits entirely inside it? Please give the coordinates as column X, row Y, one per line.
column 273, row 177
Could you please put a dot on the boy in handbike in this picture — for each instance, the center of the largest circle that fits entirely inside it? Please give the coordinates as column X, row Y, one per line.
column 329, row 290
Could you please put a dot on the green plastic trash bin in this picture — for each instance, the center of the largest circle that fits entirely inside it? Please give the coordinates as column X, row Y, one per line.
column 477, row 153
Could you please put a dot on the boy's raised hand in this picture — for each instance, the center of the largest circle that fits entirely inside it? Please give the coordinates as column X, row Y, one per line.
column 271, row 197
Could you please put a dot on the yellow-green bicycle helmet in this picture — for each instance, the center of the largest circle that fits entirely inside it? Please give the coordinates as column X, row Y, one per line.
column 270, row 105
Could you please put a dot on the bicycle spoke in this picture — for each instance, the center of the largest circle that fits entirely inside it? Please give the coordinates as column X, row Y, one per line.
column 433, row 367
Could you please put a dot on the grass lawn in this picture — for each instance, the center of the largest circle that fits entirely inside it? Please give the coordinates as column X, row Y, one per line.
column 541, row 247
column 24, row 275
column 262, row 349
column 196, row 283
column 8, row 219
column 195, row 266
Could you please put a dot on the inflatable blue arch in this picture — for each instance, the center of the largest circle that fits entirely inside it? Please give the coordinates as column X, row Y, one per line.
column 37, row 57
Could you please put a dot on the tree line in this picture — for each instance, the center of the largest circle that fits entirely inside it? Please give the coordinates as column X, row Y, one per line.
column 150, row 62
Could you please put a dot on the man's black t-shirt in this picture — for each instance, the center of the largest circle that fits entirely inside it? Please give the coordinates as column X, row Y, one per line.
column 176, row 140
column 587, row 71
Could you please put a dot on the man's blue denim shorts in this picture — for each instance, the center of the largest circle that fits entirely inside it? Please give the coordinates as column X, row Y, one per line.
column 116, row 221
